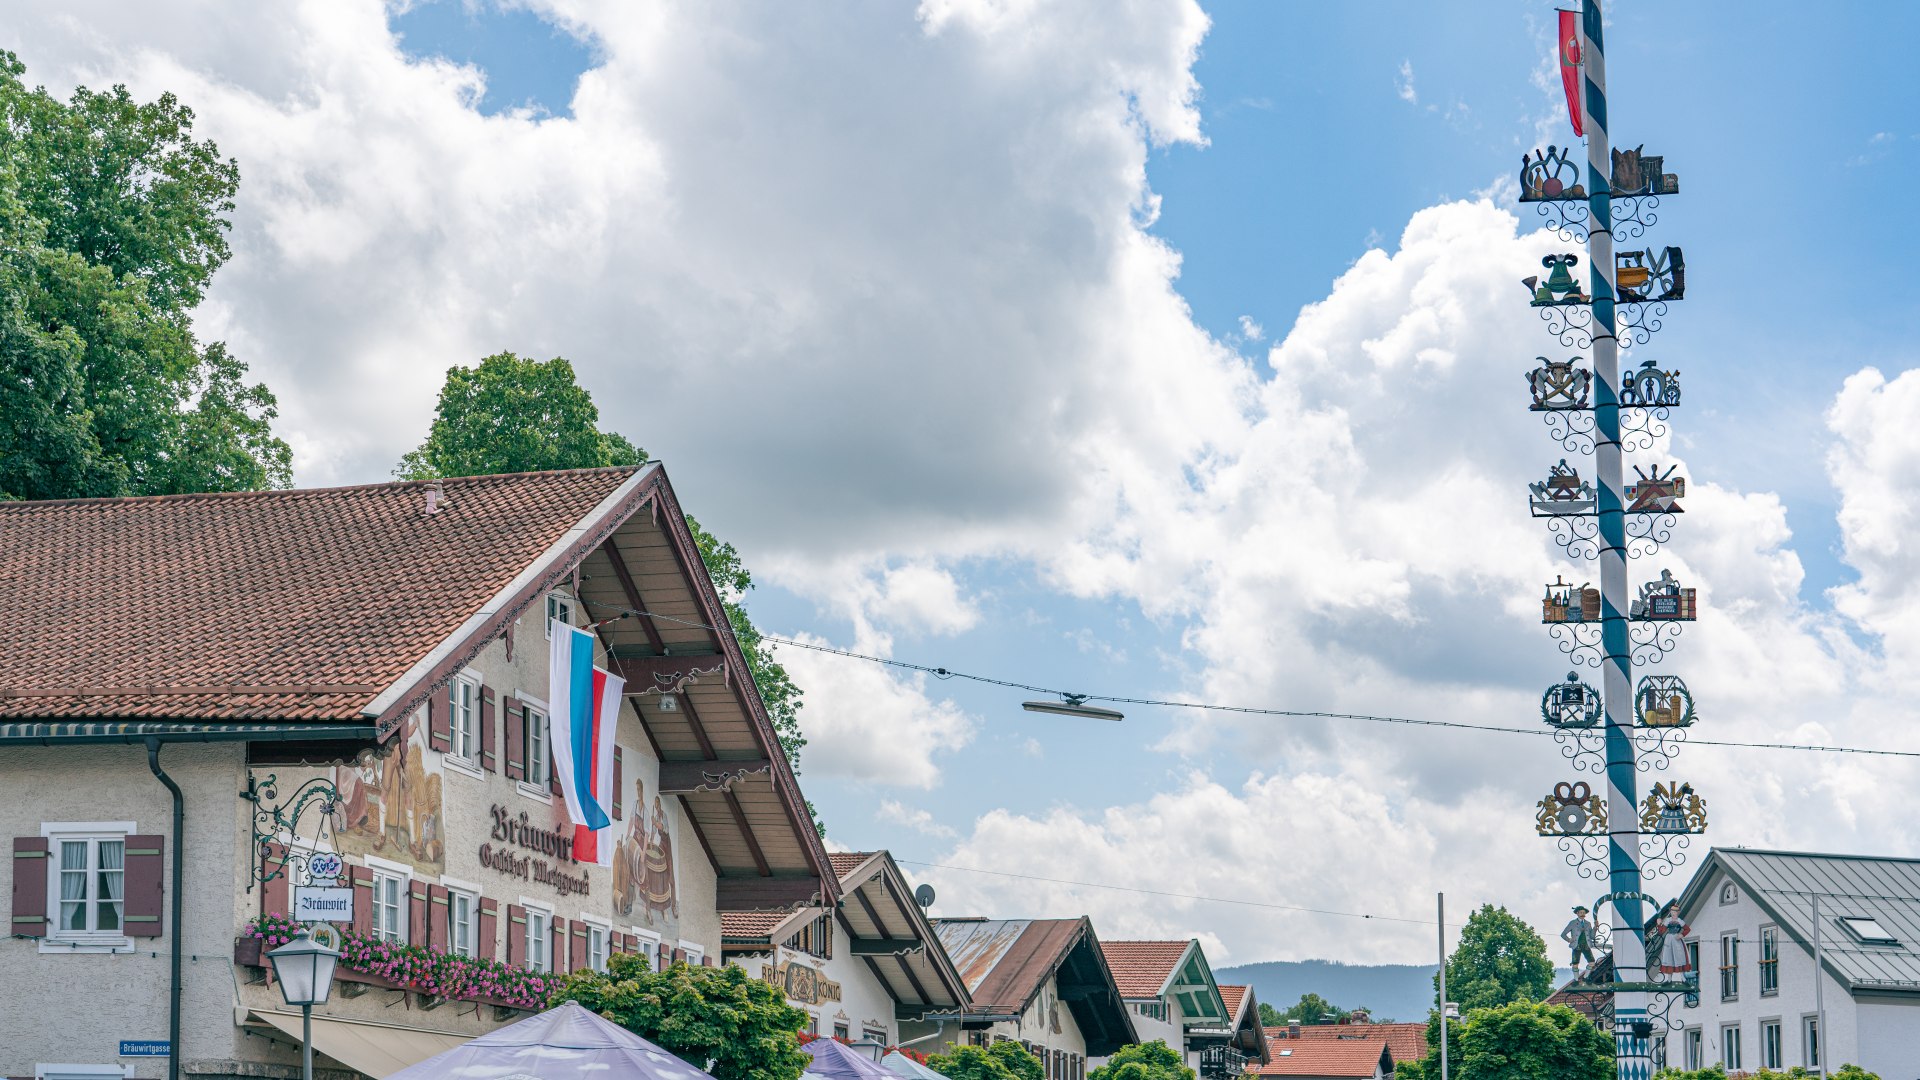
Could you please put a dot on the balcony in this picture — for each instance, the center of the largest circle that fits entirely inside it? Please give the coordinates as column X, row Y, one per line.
column 1222, row 1062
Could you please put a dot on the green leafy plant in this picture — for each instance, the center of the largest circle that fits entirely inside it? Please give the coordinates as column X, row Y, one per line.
column 1001, row 1061
column 1144, row 1061
column 719, row 1019
column 1719, row 1072
column 1526, row 1041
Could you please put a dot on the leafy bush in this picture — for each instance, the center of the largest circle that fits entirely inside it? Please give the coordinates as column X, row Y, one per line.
column 1001, row 1061
column 1144, row 1061
column 719, row 1019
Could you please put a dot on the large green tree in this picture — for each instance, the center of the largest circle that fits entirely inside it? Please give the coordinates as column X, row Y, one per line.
column 1528, row 1041
column 719, row 1019
column 1500, row 960
column 1144, row 1061
column 1001, row 1061
column 510, row 414
column 113, row 219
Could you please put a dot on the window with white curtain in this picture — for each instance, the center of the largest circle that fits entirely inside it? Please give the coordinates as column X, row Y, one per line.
column 390, row 906
column 87, row 885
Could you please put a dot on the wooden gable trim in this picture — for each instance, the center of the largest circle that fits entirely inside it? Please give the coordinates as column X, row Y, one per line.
column 634, row 600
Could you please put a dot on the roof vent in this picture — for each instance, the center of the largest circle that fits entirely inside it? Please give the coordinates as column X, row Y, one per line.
column 1867, row 931
column 436, row 497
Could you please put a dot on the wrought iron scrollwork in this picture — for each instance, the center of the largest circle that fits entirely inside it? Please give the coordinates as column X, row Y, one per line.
column 1572, row 429
column 1662, row 853
column 1572, row 221
column 1652, row 641
column 276, row 823
column 1578, row 642
column 1642, row 429
column 1587, row 855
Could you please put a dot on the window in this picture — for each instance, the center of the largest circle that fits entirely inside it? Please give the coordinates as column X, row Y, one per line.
column 649, row 947
column 87, row 890
column 1769, row 961
column 80, row 1072
column 1771, row 1055
column 463, row 719
column 874, row 1035
column 815, row 939
column 462, row 930
column 1730, row 1046
column 1810, row 1040
column 1660, row 1052
column 1866, row 931
column 559, row 606
column 1693, row 973
column 539, row 939
column 1695, row 1056
column 536, row 728
column 596, row 946
column 694, row 952
column 840, row 1030
column 1729, row 894
column 1729, row 966
column 390, row 906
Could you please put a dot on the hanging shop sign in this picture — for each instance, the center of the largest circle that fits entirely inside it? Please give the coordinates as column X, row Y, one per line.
column 323, row 905
column 801, row 983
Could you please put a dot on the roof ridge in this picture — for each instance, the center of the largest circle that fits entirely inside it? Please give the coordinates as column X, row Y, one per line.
column 303, row 492
column 1815, row 854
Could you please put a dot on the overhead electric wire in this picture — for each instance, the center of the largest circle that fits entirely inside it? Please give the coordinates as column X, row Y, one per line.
column 1244, row 710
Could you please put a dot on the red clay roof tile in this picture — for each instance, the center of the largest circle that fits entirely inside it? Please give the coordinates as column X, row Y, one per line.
column 1141, row 968
column 1335, row 1059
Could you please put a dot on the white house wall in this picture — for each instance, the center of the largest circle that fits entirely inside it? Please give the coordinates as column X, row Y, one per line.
column 864, row 1002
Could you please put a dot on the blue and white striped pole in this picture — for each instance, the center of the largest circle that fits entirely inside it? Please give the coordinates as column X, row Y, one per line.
column 1632, row 1053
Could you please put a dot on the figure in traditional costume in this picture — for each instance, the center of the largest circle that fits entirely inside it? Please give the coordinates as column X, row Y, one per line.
column 1578, row 934
column 1675, row 965
column 656, row 880
column 629, row 854
column 393, row 788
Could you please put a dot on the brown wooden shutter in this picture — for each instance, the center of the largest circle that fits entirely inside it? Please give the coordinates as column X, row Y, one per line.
column 487, row 759
column 362, row 880
column 706, row 961
column 30, row 869
column 679, row 955
column 489, row 929
column 416, row 912
column 617, row 788
column 275, row 896
column 439, row 918
column 516, row 934
column 553, row 765
column 144, row 873
column 578, row 960
column 665, row 957
column 557, row 953
column 440, row 718
column 516, row 741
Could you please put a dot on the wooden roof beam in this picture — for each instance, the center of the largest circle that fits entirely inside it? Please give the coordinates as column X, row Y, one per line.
column 765, row 893
column 746, row 833
column 633, row 593
column 678, row 777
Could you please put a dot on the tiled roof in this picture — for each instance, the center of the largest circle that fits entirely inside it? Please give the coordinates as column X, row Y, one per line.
column 1005, row 961
column 1232, row 996
column 846, row 862
column 751, row 924
column 1407, row 1042
column 1333, row 1058
column 259, row 605
column 1141, row 968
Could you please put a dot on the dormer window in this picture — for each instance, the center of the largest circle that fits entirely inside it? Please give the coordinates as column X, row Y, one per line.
column 559, row 606
column 1867, row 931
column 1729, row 894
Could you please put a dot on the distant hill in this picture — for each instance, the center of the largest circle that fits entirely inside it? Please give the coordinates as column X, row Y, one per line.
column 1389, row 991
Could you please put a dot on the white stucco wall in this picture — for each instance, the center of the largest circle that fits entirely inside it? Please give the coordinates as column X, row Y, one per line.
column 1034, row 1026
column 864, row 1002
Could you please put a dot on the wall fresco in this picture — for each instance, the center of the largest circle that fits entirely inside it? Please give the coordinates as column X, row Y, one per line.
column 390, row 805
column 645, row 886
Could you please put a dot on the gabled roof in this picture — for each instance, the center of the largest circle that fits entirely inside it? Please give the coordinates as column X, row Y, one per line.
column 1784, row 883
column 355, row 605
column 1243, row 1019
column 1407, row 1042
column 1168, row 969
column 1007, row 962
column 1332, row 1058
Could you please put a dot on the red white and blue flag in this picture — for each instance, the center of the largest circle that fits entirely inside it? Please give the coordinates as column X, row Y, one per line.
column 586, row 707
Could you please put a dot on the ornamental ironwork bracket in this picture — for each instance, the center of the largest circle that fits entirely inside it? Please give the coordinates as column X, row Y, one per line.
column 276, row 823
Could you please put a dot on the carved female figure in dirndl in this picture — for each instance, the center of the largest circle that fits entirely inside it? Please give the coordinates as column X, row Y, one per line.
column 1675, row 965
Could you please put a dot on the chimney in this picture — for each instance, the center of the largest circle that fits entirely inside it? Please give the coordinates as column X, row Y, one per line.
column 1293, row 1029
column 435, row 496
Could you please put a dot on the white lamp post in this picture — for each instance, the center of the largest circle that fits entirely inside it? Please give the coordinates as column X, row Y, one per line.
column 304, row 969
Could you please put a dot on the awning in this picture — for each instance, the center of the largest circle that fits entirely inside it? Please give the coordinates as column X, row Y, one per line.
column 374, row 1049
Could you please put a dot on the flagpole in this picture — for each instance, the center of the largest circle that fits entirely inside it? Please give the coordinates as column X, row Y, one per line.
column 1631, row 1050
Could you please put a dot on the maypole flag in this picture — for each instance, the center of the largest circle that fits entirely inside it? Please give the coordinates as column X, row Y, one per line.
column 585, row 704
column 1570, row 64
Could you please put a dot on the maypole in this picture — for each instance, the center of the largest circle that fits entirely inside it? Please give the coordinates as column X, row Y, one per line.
column 1618, row 728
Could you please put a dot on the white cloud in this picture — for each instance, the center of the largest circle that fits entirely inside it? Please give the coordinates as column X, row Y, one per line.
column 1251, row 330
column 1403, row 84
column 914, row 818
column 864, row 723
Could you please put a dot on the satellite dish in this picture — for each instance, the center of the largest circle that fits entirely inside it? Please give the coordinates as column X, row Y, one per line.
column 923, row 896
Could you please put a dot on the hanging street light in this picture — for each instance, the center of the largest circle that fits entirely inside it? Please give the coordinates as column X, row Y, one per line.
column 1073, row 705
column 304, row 969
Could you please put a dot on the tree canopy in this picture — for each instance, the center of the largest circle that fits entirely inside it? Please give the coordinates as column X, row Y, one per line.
column 510, row 414
column 113, row 219
column 720, row 1019
column 1144, row 1061
column 1310, row 1009
column 1500, row 960
column 1526, row 1041
column 1001, row 1061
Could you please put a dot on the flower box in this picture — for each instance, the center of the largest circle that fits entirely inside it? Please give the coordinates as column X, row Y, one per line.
column 250, row 952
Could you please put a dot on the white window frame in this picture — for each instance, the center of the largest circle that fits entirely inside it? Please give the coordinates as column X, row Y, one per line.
column 1696, row 1051
column 84, row 941
column 650, row 941
column 543, row 941
column 463, row 725
column 1730, row 966
column 530, row 786
column 73, row 1072
column 1769, row 960
column 558, row 599
column 1810, row 1037
column 1774, row 1056
column 1729, row 893
column 468, row 891
column 694, row 950
column 387, row 869
column 1730, row 1045
column 605, row 931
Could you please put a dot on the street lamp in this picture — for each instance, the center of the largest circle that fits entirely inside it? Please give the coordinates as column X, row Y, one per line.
column 1073, row 705
column 873, row 1048
column 304, row 969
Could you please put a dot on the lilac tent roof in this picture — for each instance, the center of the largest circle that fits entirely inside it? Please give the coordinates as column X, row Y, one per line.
column 562, row 1041
column 834, row 1060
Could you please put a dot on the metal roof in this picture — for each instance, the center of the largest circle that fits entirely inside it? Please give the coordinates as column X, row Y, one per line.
column 1784, row 884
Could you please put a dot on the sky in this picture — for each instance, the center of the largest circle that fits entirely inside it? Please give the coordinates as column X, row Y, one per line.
column 1150, row 349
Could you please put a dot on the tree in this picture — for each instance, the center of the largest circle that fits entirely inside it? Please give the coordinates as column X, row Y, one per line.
column 510, row 414
column 1144, row 1061
column 507, row 414
column 1500, row 960
column 113, row 219
column 1001, row 1061
column 719, row 1019
column 1525, row 1041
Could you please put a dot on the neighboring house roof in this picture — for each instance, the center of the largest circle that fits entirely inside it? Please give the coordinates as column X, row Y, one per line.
column 751, row 925
column 1331, row 1058
column 353, row 607
column 1243, row 1018
column 846, row 862
column 893, row 935
column 1783, row 884
column 1005, row 963
column 1593, row 1006
column 1233, row 997
column 1169, row 969
column 1407, row 1042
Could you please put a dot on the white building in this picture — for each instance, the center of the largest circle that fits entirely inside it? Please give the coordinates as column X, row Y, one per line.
column 858, row 968
column 1170, row 988
column 1751, row 924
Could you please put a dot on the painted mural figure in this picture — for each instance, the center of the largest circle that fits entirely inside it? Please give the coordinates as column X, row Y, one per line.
column 390, row 805
column 628, row 857
column 656, row 879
